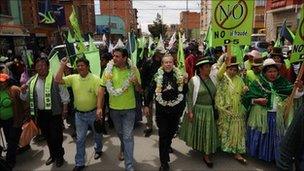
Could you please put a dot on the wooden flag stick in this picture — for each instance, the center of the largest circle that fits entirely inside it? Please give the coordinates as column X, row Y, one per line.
column 229, row 54
column 289, row 102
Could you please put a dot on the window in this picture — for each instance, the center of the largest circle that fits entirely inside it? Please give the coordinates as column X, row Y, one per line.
column 260, row 2
column 259, row 17
column 5, row 7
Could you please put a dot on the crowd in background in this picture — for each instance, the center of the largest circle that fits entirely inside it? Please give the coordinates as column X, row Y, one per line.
column 218, row 104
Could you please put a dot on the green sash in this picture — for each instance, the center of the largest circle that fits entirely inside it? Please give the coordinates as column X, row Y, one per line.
column 47, row 93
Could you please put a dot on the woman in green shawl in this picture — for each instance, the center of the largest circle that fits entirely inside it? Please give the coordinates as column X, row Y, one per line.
column 231, row 122
column 266, row 102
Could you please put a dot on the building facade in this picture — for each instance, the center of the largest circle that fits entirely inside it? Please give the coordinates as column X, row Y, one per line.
column 123, row 9
column 190, row 24
column 117, row 26
column 171, row 29
column 279, row 10
column 12, row 33
column 259, row 16
column 45, row 35
column 205, row 17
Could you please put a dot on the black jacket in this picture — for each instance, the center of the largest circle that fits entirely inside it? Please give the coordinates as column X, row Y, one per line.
column 168, row 78
column 292, row 145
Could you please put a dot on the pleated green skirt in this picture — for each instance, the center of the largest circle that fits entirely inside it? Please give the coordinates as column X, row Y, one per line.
column 201, row 133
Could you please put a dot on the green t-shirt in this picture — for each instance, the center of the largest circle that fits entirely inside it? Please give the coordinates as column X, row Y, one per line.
column 85, row 90
column 127, row 99
column 6, row 108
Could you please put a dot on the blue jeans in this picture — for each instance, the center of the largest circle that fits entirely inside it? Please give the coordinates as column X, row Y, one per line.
column 124, row 122
column 82, row 122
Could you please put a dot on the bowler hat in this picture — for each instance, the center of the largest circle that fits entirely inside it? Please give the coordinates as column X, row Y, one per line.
column 270, row 62
column 204, row 60
column 276, row 51
column 233, row 62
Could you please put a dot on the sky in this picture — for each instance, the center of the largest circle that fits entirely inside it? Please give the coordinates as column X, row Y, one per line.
column 147, row 10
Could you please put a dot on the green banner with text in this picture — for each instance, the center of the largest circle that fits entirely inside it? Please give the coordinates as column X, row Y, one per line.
column 298, row 43
column 232, row 22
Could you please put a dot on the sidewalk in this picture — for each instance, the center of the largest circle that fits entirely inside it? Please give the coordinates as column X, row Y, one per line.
column 145, row 155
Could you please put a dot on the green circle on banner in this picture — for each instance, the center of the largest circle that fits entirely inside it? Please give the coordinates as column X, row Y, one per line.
column 301, row 30
column 230, row 15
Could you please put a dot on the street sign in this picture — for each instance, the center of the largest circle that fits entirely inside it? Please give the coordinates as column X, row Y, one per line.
column 232, row 22
column 298, row 44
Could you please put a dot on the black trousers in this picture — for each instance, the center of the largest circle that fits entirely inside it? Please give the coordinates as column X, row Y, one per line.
column 167, row 124
column 51, row 128
column 12, row 136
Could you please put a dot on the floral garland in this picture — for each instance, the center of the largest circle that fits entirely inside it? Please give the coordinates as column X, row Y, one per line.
column 159, row 84
column 109, row 76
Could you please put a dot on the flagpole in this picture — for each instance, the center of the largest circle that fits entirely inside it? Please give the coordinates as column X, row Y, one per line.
column 289, row 102
column 229, row 54
column 63, row 41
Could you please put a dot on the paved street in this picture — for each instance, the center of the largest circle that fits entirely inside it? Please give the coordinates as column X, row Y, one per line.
column 145, row 154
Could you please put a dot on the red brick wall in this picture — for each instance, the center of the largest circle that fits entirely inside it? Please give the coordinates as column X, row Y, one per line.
column 120, row 8
column 190, row 20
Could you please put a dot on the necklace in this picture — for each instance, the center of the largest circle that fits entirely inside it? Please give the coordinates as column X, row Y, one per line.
column 159, row 84
column 109, row 79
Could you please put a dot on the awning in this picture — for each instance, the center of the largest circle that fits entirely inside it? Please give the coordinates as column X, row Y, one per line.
column 13, row 30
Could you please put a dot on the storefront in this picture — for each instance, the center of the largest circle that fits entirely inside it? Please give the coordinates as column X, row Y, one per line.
column 277, row 12
column 12, row 37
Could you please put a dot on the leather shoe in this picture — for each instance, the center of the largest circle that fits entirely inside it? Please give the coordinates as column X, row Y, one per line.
column 49, row 161
column 97, row 155
column 148, row 132
column 164, row 167
column 209, row 163
column 170, row 150
column 59, row 162
column 78, row 168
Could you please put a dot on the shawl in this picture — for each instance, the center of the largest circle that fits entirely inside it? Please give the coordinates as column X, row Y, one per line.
column 262, row 88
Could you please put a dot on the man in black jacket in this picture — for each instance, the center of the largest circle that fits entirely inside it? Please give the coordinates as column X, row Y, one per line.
column 169, row 89
column 292, row 146
column 148, row 72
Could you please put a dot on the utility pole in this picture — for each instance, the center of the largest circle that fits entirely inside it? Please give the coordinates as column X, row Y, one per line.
column 187, row 19
column 109, row 24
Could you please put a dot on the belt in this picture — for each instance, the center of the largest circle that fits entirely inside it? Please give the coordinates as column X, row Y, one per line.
column 85, row 111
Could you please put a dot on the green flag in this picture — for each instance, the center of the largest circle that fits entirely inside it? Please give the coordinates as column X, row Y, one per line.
column 70, row 38
column 150, row 51
column 181, row 54
column 142, row 44
column 208, row 38
column 298, row 43
column 92, row 46
column 54, row 63
column 278, row 42
column 93, row 57
column 238, row 53
column 132, row 47
column 47, row 17
column 29, row 57
column 75, row 25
